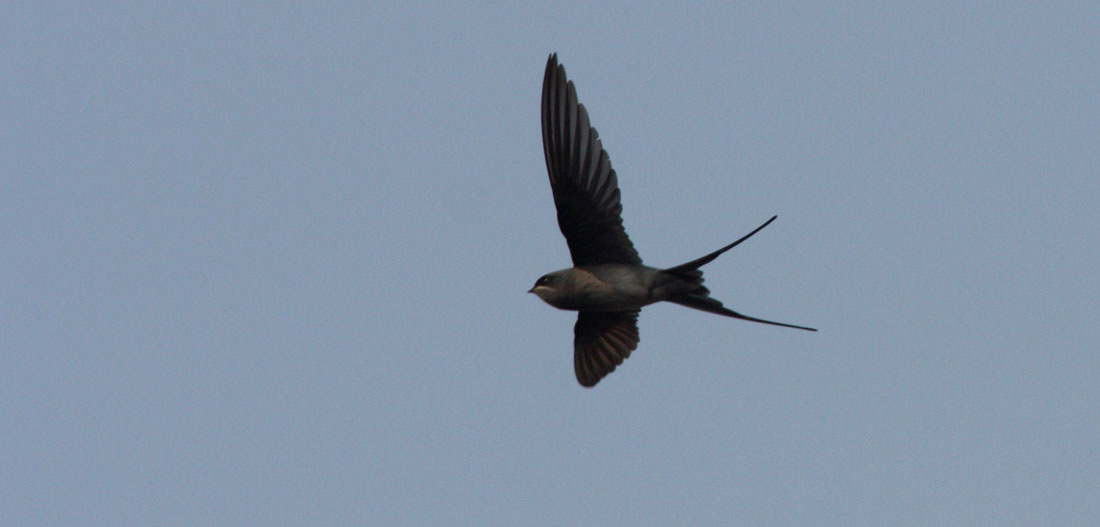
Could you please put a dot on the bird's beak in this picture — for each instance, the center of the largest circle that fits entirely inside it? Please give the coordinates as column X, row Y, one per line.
column 532, row 290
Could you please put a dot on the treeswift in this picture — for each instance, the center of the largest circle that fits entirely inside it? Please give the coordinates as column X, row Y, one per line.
column 607, row 285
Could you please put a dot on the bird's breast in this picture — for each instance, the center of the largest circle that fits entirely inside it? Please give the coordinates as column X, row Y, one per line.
column 611, row 288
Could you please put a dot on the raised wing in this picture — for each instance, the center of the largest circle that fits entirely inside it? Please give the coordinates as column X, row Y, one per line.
column 586, row 191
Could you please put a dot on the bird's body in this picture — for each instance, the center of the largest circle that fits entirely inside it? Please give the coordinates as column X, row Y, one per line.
column 607, row 287
column 608, row 284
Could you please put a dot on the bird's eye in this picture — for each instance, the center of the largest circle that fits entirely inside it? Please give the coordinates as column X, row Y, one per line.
column 545, row 280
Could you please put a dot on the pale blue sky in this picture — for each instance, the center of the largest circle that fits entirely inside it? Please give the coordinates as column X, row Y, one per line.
column 266, row 265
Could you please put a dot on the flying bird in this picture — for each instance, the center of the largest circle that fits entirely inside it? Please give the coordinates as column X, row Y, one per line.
column 607, row 285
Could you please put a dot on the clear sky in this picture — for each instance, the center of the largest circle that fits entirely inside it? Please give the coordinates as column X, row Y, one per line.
column 266, row 264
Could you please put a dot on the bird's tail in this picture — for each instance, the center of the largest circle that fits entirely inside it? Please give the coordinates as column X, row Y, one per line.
column 695, row 295
column 690, row 271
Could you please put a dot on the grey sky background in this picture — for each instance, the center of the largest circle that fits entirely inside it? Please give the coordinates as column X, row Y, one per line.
column 266, row 265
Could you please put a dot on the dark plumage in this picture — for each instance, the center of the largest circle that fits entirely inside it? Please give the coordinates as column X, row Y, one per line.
column 607, row 284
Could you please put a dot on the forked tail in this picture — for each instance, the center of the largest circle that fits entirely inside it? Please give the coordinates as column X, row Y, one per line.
column 697, row 296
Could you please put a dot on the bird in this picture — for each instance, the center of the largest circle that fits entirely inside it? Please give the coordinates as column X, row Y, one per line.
column 607, row 285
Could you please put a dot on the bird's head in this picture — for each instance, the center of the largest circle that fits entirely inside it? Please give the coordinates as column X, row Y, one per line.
column 549, row 287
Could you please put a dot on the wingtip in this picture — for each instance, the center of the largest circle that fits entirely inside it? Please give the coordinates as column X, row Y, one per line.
column 553, row 72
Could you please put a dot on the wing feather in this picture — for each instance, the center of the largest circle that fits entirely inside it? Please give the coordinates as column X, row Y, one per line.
column 602, row 341
column 585, row 187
